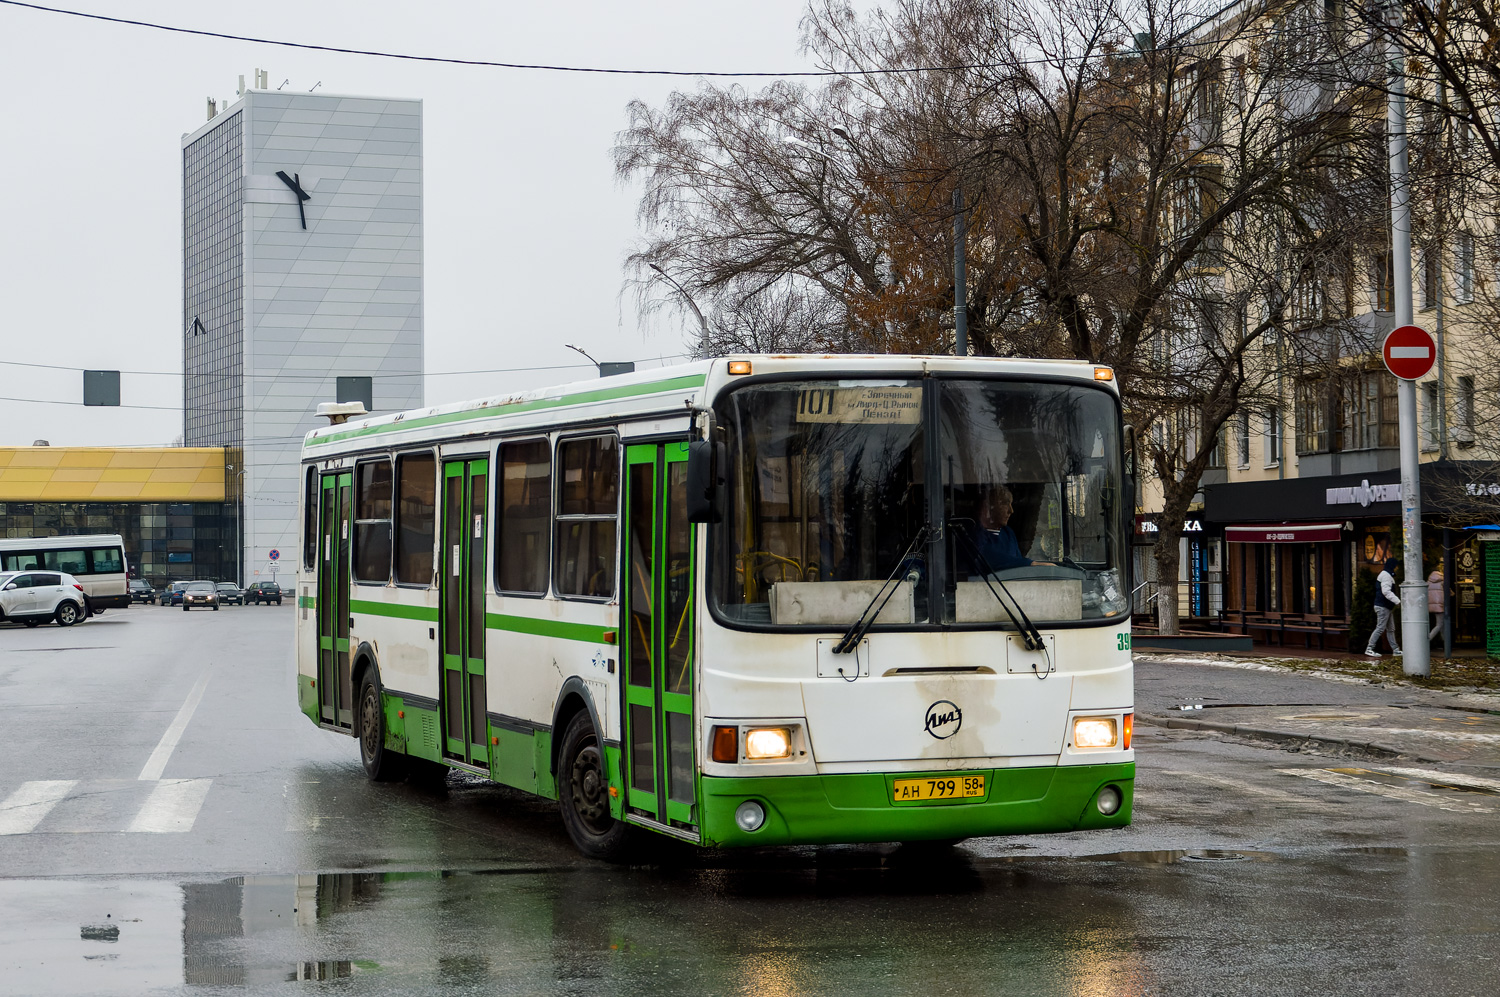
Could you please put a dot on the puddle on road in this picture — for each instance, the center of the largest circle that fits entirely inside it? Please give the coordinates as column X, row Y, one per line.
column 1171, row 856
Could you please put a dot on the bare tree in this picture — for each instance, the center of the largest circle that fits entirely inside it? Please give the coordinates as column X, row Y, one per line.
column 1147, row 185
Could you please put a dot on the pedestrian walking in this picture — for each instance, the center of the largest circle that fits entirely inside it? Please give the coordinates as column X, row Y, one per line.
column 1386, row 601
column 1437, row 606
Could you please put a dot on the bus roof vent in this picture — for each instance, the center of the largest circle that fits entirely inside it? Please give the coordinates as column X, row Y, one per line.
column 338, row 413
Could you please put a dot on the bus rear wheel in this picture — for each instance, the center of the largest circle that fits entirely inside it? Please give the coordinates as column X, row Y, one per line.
column 583, row 794
column 381, row 764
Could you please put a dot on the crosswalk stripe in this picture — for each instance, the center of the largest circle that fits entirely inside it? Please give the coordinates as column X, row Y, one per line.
column 24, row 809
column 1245, row 787
column 157, row 763
column 1347, row 780
column 172, row 806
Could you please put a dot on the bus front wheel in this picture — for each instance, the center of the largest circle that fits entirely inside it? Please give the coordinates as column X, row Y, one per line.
column 583, row 794
column 381, row 764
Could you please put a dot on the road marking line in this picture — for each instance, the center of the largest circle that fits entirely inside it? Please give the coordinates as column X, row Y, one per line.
column 1376, row 788
column 172, row 806
column 1445, row 778
column 1243, row 787
column 157, row 763
column 24, row 809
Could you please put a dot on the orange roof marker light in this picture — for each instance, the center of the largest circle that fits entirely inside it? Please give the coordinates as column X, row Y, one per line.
column 739, row 366
column 1104, row 373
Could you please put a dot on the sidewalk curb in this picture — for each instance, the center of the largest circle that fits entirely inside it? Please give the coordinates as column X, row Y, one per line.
column 1283, row 737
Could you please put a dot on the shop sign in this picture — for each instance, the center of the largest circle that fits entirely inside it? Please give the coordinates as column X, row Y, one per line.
column 1363, row 494
column 1300, row 533
column 1478, row 489
column 1143, row 525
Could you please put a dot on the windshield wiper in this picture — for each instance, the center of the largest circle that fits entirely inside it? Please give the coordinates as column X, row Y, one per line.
column 849, row 643
column 1030, row 635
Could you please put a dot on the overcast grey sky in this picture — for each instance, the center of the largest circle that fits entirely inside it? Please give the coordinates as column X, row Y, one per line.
column 526, row 227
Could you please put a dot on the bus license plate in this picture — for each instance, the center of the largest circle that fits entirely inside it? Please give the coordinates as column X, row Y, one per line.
column 959, row 787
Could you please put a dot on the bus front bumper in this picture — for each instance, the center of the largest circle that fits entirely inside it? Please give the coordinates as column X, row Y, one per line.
column 826, row 809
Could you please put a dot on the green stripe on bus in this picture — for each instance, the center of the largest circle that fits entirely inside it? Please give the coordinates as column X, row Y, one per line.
column 394, row 610
column 513, row 408
column 546, row 628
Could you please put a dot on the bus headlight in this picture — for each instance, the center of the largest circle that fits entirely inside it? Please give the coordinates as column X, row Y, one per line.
column 1109, row 800
column 749, row 815
column 1094, row 732
column 768, row 742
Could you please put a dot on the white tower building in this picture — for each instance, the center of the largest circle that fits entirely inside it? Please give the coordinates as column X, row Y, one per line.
column 302, row 283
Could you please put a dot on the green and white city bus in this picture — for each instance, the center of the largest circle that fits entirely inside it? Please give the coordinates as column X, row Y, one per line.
column 748, row 601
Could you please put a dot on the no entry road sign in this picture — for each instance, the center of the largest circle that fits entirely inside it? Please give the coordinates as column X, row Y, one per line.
column 1409, row 352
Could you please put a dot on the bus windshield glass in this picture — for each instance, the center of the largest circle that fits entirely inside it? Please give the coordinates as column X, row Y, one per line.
column 830, row 517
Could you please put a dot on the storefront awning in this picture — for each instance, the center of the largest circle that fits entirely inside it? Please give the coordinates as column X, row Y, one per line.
column 1300, row 533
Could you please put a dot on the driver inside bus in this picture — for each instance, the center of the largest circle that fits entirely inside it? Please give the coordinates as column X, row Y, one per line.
column 995, row 539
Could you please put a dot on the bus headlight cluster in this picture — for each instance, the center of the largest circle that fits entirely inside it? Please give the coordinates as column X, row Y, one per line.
column 1094, row 732
column 768, row 742
column 750, row 816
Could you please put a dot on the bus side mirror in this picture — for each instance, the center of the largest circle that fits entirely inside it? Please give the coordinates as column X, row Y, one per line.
column 704, row 478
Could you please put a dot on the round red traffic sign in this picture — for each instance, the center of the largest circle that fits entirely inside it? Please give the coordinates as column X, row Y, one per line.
column 1409, row 352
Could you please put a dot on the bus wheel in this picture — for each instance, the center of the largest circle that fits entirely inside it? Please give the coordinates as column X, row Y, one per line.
column 381, row 764
column 583, row 793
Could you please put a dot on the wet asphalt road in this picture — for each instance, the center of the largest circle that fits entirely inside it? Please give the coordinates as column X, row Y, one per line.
column 250, row 855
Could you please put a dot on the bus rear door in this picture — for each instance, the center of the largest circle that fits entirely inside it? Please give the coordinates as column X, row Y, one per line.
column 461, row 616
column 336, row 692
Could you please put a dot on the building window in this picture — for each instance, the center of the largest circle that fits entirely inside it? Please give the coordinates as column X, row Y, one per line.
column 1463, row 412
column 588, row 501
column 1383, row 282
column 101, row 387
column 1312, row 417
column 1431, row 276
column 1463, row 268
column 1242, row 449
column 524, row 498
column 1272, row 436
column 416, row 522
column 1430, row 416
column 372, row 521
column 1369, row 412
column 357, row 389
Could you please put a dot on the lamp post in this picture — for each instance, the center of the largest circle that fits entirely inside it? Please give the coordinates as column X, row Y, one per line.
column 702, row 322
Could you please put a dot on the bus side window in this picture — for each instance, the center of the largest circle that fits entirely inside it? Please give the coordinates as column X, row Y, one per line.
column 310, row 521
column 106, row 560
column 372, row 521
column 74, row 562
column 524, row 509
column 588, row 503
column 416, row 501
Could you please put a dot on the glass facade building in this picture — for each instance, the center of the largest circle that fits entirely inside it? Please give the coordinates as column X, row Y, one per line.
column 164, row 541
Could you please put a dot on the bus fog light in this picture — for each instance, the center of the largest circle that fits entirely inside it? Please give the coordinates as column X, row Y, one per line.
column 768, row 742
column 751, row 815
column 1094, row 732
column 1109, row 800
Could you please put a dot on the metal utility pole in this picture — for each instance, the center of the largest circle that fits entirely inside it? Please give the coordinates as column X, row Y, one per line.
column 960, row 291
column 1415, row 659
column 702, row 322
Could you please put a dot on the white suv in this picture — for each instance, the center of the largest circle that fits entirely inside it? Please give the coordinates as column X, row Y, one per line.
column 33, row 597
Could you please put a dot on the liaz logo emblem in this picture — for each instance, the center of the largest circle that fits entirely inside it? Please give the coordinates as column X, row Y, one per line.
column 943, row 719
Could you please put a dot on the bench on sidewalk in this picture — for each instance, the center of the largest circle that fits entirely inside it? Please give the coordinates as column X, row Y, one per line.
column 1276, row 626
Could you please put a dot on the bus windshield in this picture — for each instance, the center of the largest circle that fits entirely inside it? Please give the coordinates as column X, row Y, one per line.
column 829, row 511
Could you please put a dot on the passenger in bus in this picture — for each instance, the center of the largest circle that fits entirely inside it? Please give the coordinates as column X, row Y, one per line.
column 995, row 539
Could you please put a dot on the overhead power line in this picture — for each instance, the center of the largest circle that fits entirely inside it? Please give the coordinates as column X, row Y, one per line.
column 596, row 70
column 324, row 377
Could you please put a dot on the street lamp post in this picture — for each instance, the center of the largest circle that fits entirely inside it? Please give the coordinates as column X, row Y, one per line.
column 702, row 322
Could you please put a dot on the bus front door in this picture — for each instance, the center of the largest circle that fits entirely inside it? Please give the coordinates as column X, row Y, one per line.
column 336, row 692
column 657, row 613
column 461, row 616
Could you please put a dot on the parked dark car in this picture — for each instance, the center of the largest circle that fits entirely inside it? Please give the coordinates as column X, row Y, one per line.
column 231, row 594
column 141, row 591
column 172, row 594
column 264, row 592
